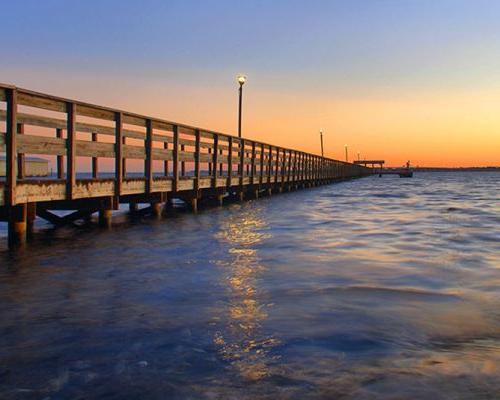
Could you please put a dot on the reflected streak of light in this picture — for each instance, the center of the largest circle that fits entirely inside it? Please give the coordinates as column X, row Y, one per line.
column 241, row 341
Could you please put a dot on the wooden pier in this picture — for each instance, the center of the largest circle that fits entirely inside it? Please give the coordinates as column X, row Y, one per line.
column 178, row 161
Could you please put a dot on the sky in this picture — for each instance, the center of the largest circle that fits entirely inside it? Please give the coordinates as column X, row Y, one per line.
column 397, row 80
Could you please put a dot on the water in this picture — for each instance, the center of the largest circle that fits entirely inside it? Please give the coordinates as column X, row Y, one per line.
column 370, row 289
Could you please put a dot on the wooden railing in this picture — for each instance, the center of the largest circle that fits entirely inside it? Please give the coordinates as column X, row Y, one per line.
column 176, row 157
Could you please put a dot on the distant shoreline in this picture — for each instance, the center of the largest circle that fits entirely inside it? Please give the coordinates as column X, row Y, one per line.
column 451, row 169
column 458, row 169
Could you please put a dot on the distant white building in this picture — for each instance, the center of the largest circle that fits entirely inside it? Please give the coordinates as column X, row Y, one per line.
column 34, row 166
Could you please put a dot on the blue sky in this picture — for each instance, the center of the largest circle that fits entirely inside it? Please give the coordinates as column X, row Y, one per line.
column 352, row 50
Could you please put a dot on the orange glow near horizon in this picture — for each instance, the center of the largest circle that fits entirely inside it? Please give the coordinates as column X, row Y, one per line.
column 435, row 130
column 448, row 129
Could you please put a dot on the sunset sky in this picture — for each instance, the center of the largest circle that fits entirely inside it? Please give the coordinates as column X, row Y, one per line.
column 400, row 80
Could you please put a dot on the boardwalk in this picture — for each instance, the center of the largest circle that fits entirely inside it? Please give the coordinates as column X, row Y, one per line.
column 179, row 161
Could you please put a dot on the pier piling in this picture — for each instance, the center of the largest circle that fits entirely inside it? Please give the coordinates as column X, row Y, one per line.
column 105, row 218
column 17, row 225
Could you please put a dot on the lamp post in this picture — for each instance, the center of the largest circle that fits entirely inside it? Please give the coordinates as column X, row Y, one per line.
column 346, row 157
column 321, row 137
column 358, row 156
column 241, row 80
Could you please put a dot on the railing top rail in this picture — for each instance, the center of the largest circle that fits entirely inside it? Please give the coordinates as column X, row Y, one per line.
column 4, row 86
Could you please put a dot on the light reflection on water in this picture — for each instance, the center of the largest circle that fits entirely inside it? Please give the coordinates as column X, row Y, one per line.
column 366, row 289
column 241, row 341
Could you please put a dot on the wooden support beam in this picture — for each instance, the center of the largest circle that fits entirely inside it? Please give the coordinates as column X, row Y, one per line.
column 70, row 150
column 67, row 219
column 11, row 146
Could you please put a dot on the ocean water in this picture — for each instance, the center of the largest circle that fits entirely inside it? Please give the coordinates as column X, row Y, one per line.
column 377, row 288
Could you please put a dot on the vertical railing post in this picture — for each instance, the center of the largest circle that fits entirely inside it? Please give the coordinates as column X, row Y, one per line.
column 165, row 162
column 289, row 172
column 283, row 167
column 229, row 161
column 277, row 165
column 309, row 167
column 209, row 163
column 269, row 164
column 197, row 172
column 294, row 167
column 242, row 161
column 124, row 160
column 214, row 160
column 95, row 162
column 316, row 168
column 70, row 150
column 247, row 165
column 221, row 164
column 118, row 155
column 60, row 158
column 304, row 166
column 21, row 166
column 175, row 159
column 148, row 167
column 11, row 146
column 183, row 163
column 261, row 167
column 252, row 164
column 299, row 168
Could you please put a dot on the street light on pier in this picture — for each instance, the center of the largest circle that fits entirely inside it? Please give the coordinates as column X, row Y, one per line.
column 241, row 80
column 358, row 156
column 346, row 157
